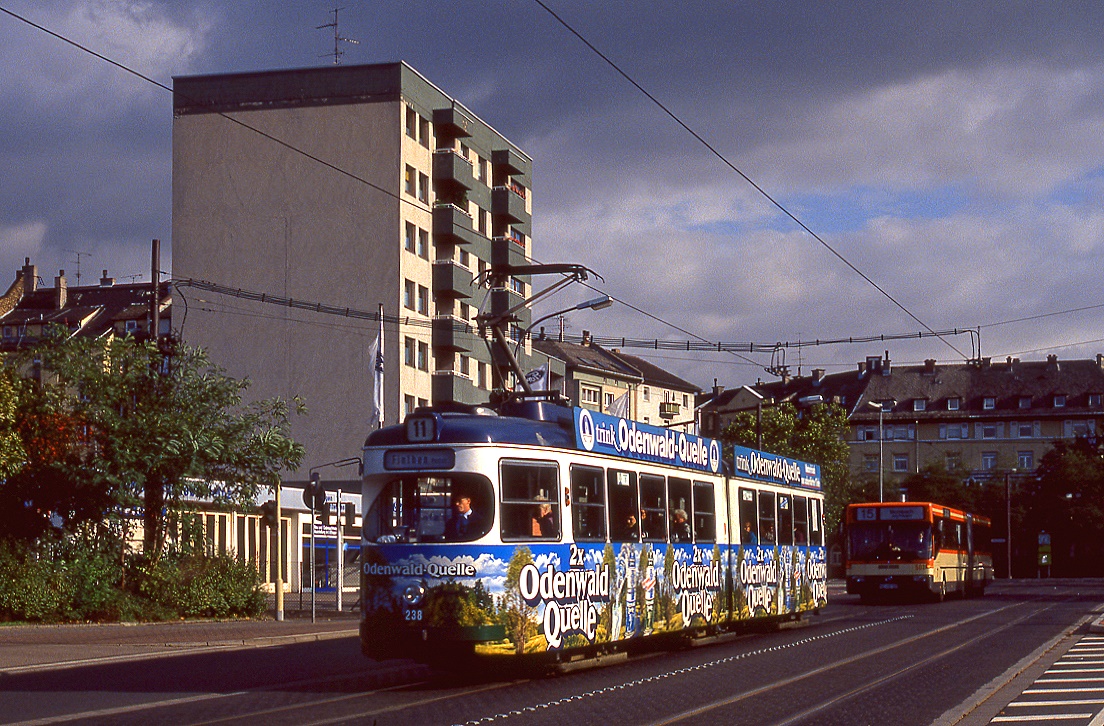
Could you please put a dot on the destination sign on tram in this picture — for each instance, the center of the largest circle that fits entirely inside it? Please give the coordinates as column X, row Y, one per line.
column 605, row 434
column 775, row 469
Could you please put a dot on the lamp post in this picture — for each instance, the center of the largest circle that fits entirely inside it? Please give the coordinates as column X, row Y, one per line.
column 880, row 405
column 1008, row 515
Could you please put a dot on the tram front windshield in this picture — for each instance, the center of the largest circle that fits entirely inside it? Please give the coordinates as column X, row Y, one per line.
column 421, row 507
column 897, row 541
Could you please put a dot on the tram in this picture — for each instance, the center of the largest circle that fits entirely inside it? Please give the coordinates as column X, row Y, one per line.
column 916, row 549
column 555, row 534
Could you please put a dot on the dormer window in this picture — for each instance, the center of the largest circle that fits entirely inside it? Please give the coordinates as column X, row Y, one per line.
column 1025, row 401
column 989, row 403
column 9, row 332
column 953, row 403
column 131, row 326
column 1094, row 400
column 919, row 404
column 1060, row 401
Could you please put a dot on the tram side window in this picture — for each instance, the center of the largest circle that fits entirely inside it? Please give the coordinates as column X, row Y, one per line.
column 801, row 520
column 624, row 506
column 653, row 508
column 767, row 518
column 530, row 505
column 678, row 504
column 749, row 518
column 816, row 520
column 785, row 519
column 705, row 520
column 588, row 503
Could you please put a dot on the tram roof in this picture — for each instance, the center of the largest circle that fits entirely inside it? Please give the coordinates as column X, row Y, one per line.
column 527, row 423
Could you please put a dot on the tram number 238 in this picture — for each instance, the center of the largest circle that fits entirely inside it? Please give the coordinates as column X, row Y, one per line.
column 412, row 615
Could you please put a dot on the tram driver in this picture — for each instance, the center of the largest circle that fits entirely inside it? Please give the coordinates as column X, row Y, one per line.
column 465, row 523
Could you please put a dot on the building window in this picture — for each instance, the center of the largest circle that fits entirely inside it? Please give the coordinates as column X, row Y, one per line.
column 1025, row 401
column 870, row 463
column 647, row 394
column 482, row 170
column 482, row 221
column 989, row 431
column 1071, row 429
column 988, row 460
column 423, row 355
column 1025, row 460
column 589, row 396
column 866, row 433
column 423, row 300
column 423, row 244
column 685, row 400
column 1024, row 430
column 989, row 403
column 423, row 131
column 408, row 239
column 409, row 405
column 1060, row 401
column 607, row 401
column 411, row 123
column 409, row 351
column 409, row 294
column 953, row 460
column 423, row 403
column 900, row 432
column 423, row 187
column 953, row 403
column 953, row 431
column 465, row 258
column 900, row 462
column 481, row 375
column 919, row 404
column 465, row 365
column 1094, row 400
column 517, row 286
column 409, row 180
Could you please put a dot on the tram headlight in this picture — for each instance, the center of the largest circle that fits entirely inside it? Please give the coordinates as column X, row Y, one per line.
column 413, row 595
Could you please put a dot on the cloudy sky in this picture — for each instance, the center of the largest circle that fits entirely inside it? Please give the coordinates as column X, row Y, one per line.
column 951, row 152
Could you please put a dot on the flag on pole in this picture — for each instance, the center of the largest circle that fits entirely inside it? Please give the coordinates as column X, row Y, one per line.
column 376, row 354
column 619, row 406
column 538, row 378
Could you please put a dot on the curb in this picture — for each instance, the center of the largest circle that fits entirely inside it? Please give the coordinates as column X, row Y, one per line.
column 1097, row 626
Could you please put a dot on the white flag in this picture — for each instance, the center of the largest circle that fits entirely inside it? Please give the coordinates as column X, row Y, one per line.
column 376, row 354
column 538, row 378
column 619, row 406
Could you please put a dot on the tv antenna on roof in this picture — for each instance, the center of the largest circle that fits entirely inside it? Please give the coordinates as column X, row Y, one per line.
column 79, row 254
column 338, row 39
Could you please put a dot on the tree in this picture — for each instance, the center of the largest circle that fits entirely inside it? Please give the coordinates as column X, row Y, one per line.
column 132, row 424
column 817, row 435
column 12, row 453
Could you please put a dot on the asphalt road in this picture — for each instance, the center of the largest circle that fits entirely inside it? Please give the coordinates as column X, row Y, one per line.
column 961, row 662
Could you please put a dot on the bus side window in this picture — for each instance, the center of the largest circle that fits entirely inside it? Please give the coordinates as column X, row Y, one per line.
column 816, row 522
column 624, row 506
column 705, row 521
column 785, row 519
column 679, row 499
column 588, row 503
column 749, row 518
column 653, row 508
column 530, row 501
column 801, row 520
column 767, row 534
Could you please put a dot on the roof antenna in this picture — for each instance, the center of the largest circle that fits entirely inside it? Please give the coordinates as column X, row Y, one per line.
column 79, row 254
column 338, row 39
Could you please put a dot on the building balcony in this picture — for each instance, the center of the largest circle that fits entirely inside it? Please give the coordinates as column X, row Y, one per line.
column 453, row 121
column 449, row 385
column 452, row 170
column 512, row 162
column 505, row 251
column 451, row 280
column 508, row 204
column 668, row 410
column 451, row 333
column 453, row 223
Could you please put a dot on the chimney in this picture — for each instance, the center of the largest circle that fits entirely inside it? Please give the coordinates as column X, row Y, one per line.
column 30, row 276
column 1052, row 362
column 106, row 281
column 61, row 290
column 818, row 375
column 873, row 363
column 586, row 337
column 929, row 366
column 862, row 370
column 1100, row 361
column 718, row 390
column 886, row 364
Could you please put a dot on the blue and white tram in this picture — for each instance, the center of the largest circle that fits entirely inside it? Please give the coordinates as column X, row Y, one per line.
column 564, row 533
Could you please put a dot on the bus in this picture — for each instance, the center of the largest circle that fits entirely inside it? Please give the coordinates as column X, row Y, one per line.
column 559, row 534
column 916, row 548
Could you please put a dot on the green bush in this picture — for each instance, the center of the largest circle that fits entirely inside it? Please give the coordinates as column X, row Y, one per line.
column 67, row 582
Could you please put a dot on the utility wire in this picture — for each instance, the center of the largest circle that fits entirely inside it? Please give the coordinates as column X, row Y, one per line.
column 744, row 176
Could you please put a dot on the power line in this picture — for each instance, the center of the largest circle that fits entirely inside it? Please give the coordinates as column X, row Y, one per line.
column 744, row 176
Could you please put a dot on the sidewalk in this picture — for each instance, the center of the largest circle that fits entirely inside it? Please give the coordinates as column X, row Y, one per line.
column 26, row 648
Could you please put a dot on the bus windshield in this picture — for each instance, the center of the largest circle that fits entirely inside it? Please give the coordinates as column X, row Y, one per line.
column 420, row 507
column 897, row 541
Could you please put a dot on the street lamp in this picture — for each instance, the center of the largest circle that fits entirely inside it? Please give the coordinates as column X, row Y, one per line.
column 599, row 303
column 1008, row 514
column 880, row 405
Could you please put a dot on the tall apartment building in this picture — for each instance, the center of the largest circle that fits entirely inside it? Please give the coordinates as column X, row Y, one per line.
column 349, row 186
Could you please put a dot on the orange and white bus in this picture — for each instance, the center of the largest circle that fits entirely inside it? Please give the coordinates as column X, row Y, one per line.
column 916, row 548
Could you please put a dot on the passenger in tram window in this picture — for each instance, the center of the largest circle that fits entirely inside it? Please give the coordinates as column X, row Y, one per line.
column 645, row 524
column 630, row 530
column 799, row 535
column 768, row 536
column 680, row 528
column 544, row 524
column 465, row 523
column 749, row 537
